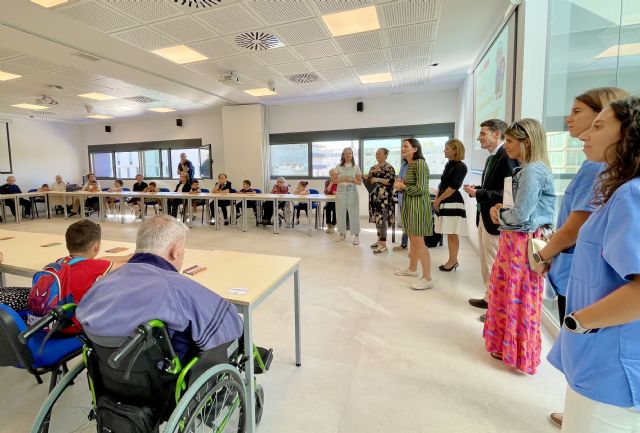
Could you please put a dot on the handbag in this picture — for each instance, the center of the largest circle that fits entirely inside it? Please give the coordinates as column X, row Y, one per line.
column 536, row 245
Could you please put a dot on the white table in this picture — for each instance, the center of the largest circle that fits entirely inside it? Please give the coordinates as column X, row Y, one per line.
column 16, row 201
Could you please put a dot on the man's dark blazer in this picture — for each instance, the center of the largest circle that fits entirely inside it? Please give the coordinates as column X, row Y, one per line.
column 490, row 192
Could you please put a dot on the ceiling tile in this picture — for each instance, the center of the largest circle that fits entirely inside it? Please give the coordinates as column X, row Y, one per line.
column 146, row 11
column 314, row 50
column 184, row 29
column 76, row 76
column 411, row 83
column 232, row 19
column 5, row 53
column 259, row 73
column 367, row 57
column 112, row 83
column 208, row 67
column 410, row 51
column 372, row 69
column 360, row 42
column 409, row 12
column 332, row 6
column 37, row 65
column 411, row 34
column 337, row 74
column 98, row 16
column 216, row 48
column 278, row 12
column 145, row 38
column 378, row 86
column 301, row 32
column 403, row 65
column 414, row 74
column 276, row 56
column 325, row 63
column 292, row 68
column 244, row 61
column 346, row 82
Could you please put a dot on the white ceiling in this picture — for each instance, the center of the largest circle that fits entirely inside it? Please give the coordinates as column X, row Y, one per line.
column 39, row 43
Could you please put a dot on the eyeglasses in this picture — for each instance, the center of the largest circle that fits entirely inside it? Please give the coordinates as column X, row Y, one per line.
column 516, row 125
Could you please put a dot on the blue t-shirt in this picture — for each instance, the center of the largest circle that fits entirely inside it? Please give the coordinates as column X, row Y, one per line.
column 604, row 366
column 578, row 197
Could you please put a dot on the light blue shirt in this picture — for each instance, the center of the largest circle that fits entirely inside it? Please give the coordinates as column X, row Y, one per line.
column 533, row 199
column 578, row 197
column 604, row 366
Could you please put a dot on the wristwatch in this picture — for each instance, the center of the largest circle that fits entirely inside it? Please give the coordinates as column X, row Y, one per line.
column 573, row 325
column 538, row 258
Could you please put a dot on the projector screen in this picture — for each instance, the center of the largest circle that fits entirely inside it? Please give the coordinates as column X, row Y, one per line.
column 493, row 85
column 5, row 148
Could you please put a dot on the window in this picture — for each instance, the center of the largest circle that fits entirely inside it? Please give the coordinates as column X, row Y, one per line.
column 370, row 146
column 326, row 155
column 433, row 151
column 127, row 164
column 193, row 155
column 290, row 160
column 102, row 164
column 166, row 170
column 151, row 163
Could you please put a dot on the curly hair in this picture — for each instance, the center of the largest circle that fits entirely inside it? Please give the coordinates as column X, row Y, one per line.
column 623, row 157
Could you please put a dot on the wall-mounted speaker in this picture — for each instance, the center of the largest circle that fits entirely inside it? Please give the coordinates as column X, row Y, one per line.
column 107, row 128
column 360, row 107
column 178, row 122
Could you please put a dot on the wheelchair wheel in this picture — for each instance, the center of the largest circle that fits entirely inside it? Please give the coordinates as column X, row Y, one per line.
column 68, row 408
column 214, row 403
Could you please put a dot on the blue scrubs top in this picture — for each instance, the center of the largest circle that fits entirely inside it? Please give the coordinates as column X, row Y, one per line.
column 577, row 197
column 604, row 366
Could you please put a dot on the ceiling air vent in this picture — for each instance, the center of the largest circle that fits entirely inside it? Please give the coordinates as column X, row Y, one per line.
column 303, row 78
column 198, row 3
column 141, row 99
column 257, row 41
column 86, row 56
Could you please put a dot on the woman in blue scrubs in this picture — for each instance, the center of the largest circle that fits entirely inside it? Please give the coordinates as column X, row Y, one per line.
column 599, row 345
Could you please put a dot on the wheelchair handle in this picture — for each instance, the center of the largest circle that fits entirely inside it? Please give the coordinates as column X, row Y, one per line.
column 116, row 357
column 25, row 335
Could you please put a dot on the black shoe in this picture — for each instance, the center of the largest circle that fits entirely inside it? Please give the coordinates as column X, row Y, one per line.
column 443, row 268
column 479, row 303
column 482, row 318
column 226, row 222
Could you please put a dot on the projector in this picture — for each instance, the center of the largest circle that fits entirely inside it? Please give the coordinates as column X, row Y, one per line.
column 230, row 79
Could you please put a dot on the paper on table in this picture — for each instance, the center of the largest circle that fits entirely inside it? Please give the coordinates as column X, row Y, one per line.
column 238, row 291
column 52, row 244
column 116, row 250
column 6, row 238
column 507, row 198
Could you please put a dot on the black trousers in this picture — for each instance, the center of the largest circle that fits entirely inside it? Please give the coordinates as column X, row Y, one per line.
column 92, row 203
column 222, row 204
column 267, row 209
column 251, row 204
column 174, row 204
column 562, row 308
column 26, row 204
column 330, row 213
column 300, row 207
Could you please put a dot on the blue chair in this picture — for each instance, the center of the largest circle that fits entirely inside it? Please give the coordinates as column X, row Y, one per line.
column 35, row 201
column 52, row 358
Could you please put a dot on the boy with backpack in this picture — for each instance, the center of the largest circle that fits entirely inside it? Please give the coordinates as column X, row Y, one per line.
column 68, row 279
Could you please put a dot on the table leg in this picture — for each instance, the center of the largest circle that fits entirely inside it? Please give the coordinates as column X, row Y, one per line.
column 309, row 210
column 276, row 217
column 18, row 209
column 83, row 211
column 46, row 200
column 4, row 211
column 249, row 385
column 165, row 206
column 296, row 300
column 3, row 281
column 215, row 212
column 33, row 207
column 244, row 214
column 189, row 202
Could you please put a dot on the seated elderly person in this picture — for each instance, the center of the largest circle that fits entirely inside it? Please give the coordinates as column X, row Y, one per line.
column 11, row 188
column 150, row 286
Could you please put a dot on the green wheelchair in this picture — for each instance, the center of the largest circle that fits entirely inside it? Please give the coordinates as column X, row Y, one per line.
column 139, row 385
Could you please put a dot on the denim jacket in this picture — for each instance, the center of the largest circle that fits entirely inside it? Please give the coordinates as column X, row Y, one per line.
column 533, row 197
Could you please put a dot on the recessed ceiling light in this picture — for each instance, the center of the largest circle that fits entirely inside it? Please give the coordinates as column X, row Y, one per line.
column 180, row 54
column 99, row 116
column 619, row 50
column 353, row 21
column 6, row 76
column 97, row 96
column 375, row 78
column 162, row 110
column 30, row 106
column 48, row 3
column 261, row 92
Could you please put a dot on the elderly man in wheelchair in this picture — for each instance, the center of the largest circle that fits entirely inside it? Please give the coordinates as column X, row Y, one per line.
column 162, row 352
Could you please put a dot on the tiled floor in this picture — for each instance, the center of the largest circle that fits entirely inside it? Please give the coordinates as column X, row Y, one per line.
column 377, row 356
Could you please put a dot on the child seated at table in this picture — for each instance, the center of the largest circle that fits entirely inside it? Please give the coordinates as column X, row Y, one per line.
column 246, row 189
column 153, row 187
column 280, row 187
column 195, row 189
column 83, row 242
column 117, row 187
column 301, row 189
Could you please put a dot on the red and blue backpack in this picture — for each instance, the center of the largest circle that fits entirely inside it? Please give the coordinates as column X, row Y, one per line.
column 50, row 288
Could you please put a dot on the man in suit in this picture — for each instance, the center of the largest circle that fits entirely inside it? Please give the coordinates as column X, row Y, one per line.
column 497, row 167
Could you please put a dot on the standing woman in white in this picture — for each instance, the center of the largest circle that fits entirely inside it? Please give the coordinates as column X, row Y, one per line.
column 347, row 175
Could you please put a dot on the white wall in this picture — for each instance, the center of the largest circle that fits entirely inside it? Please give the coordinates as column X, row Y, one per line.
column 205, row 124
column 392, row 110
column 40, row 150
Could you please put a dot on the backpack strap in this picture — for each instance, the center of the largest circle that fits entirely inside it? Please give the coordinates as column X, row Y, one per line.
column 71, row 260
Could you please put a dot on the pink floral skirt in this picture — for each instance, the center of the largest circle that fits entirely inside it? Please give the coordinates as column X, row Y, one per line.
column 512, row 325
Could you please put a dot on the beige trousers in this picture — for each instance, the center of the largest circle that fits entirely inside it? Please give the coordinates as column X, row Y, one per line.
column 488, row 251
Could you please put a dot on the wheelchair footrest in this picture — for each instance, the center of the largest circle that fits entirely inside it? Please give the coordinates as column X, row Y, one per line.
column 267, row 356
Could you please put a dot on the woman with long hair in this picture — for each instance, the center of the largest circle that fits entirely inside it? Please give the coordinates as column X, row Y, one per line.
column 598, row 349
column 347, row 176
column 416, row 213
column 381, row 177
column 512, row 325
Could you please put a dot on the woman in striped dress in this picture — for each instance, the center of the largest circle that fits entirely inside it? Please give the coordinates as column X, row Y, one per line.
column 416, row 212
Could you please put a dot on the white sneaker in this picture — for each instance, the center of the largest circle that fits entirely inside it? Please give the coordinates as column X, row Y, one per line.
column 422, row 284
column 356, row 240
column 331, row 230
column 340, row 238
column 406, row 273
